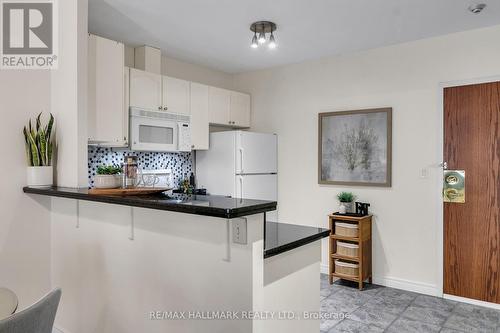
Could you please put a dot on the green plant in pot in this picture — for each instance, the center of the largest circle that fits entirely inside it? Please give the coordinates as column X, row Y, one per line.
column 185, row 186
column 108, row 176
column 39, row 148
column 346, row 200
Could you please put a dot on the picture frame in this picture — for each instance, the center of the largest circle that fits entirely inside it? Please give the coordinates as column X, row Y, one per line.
column 355, row 147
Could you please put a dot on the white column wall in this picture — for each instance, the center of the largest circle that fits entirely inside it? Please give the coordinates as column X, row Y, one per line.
column 69, row 94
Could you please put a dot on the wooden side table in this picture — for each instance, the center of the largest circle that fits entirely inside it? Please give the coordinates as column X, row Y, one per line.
column 364, row 242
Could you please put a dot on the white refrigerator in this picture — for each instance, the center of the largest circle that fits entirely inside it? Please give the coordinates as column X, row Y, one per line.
column 240, row 164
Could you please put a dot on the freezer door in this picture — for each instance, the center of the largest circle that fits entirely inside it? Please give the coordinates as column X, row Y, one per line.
column 260, row 187
column 256, row 153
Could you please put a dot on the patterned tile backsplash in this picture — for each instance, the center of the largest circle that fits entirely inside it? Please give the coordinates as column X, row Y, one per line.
column 179, row 163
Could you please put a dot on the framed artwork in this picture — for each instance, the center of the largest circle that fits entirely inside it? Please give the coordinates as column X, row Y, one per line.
column 355, row 147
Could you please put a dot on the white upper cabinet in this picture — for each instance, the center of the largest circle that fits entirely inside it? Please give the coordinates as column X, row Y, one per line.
column 240, row 109
column 145, row 90
column 175, row 95
column 228, row 108
column 199, row 116
column 219, row 103
column 107, row 93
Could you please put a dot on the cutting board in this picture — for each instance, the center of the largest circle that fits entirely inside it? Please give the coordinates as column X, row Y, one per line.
column 128, row 191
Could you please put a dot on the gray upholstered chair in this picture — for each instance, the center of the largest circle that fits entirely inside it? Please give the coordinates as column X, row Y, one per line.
column 38, row 318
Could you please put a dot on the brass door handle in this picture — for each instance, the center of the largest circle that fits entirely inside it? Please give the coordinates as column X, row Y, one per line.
column 451, row 193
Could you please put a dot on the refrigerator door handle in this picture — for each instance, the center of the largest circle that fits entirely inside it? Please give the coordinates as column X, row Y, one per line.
column 241, row 160
column 241, row 187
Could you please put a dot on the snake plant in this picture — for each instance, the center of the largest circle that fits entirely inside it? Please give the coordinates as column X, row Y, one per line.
column 38, row 142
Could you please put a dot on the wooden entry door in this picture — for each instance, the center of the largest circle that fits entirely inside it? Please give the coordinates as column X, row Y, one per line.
column 472, row 229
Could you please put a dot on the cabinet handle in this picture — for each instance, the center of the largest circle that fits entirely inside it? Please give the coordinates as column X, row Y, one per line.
column 165, row 108
column 159, row 108
column 192, row 146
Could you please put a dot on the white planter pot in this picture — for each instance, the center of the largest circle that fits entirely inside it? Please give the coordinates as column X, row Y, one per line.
column 40, row 176
column 346, row 207
column 107, row 181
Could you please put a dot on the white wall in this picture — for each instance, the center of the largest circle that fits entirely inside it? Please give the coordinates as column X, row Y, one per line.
column 187, row 71
column 286, row 100
column 25, row 229
column 25, row 221
column 196, row 73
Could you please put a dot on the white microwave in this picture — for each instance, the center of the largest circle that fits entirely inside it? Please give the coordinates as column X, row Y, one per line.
column 159, row 131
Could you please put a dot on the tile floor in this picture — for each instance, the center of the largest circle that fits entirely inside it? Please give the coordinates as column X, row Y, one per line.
column 381, row 309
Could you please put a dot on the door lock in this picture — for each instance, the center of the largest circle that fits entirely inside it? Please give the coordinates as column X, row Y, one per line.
column 454, row 186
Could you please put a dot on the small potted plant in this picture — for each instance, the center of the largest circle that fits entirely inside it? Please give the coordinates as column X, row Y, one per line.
column 185, row 186
column 346, row 200
column 108, row 176
column 39, row 145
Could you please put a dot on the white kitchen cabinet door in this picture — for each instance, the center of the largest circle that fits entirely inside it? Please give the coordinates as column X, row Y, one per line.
column 175, row 96
column 145, row 90
column 106, row 92
column 240, row 109
column 219, row 104
column 199, row 116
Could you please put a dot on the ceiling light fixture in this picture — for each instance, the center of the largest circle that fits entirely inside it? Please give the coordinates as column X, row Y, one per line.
column 262, row 28
column 477, row 8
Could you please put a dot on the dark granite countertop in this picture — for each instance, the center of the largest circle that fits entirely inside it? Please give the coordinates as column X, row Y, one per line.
column 207, row 205
column 278, row 237
column 283, row 237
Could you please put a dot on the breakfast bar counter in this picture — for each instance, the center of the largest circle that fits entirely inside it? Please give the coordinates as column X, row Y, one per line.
column 136, row 257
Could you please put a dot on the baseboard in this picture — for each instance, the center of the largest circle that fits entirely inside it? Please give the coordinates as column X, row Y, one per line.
column 472, row 301
column 418, row 287
column 414, row 286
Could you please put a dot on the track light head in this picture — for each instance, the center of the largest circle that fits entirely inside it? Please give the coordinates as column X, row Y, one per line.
column 272, row 42
column 254, row 44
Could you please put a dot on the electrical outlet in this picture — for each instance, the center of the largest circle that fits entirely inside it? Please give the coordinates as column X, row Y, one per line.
column 240, row 231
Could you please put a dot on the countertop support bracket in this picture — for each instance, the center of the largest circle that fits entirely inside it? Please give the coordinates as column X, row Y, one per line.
column 228, row 241
column 132, row 236
column 77, row 214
